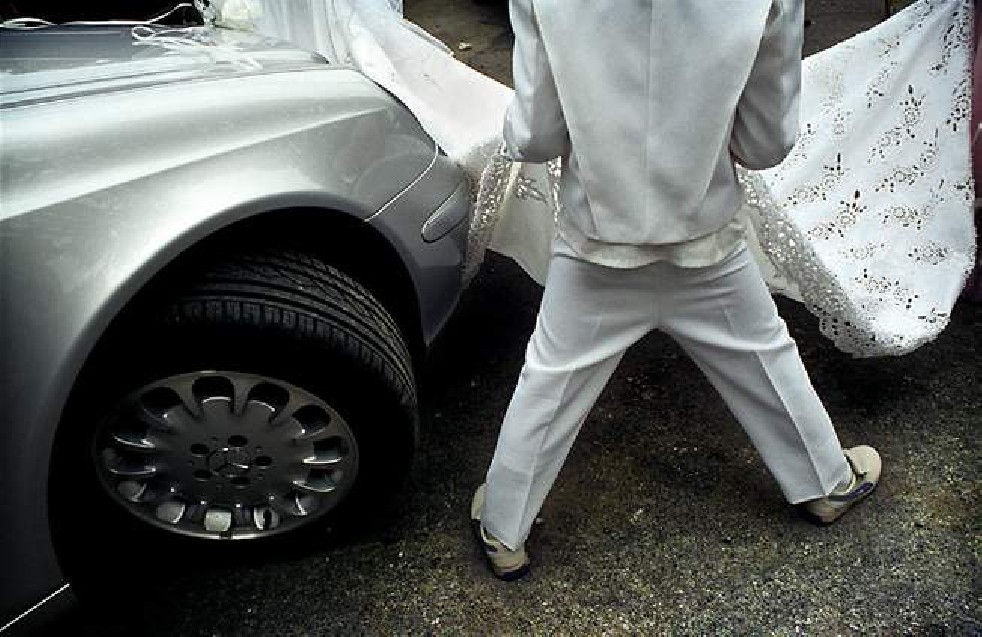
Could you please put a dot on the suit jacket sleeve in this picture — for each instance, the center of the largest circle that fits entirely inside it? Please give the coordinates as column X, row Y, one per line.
column 535, row 129
column 766, row 122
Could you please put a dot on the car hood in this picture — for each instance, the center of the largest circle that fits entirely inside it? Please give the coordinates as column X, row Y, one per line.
column 64, row 61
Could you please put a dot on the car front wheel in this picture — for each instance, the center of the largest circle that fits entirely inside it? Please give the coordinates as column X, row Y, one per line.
column 270, row 392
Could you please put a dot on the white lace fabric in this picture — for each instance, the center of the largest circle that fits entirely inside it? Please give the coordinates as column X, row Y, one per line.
column 869, row 220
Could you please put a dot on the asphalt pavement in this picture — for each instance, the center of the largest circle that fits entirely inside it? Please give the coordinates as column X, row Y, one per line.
column 663, row 521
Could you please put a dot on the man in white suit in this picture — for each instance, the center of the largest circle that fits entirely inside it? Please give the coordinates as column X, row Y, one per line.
column 650, row 103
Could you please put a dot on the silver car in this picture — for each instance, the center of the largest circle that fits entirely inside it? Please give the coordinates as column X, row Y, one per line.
column 221, row 259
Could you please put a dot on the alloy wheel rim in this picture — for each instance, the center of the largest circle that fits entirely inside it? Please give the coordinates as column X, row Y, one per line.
column 225, row 455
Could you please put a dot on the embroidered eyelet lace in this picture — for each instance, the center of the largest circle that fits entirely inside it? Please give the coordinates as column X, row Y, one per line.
column 869, row 221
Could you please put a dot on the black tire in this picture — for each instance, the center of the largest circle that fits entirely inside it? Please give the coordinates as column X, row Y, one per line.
column 277, row 314
column 316, row 327
column 296, row 302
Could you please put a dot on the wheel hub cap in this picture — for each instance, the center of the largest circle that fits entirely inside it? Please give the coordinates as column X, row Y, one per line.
column 225, row 454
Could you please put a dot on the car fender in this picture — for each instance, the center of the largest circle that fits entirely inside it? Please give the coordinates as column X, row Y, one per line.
column 74, row 254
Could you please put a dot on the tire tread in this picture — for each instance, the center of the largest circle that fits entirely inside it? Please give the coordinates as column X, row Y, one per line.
column 306, row 298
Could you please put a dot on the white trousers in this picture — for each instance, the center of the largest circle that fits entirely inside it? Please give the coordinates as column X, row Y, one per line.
column 721, row 315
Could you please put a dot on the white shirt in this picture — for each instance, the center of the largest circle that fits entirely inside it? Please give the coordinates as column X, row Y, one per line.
column 650, row 102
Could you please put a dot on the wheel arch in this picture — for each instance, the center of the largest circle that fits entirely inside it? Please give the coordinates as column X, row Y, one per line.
column 335, row 237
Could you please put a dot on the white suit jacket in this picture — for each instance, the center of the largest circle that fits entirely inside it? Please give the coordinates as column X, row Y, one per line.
column 650, row 102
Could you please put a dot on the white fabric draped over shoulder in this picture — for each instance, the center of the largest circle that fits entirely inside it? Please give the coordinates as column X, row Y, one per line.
column 868, row 221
